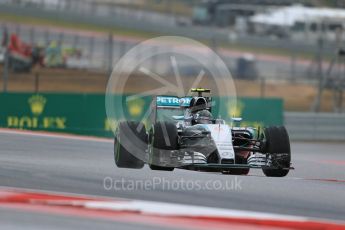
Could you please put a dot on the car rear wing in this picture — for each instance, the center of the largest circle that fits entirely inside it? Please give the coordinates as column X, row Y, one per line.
column 172, row 101
column 167, row 102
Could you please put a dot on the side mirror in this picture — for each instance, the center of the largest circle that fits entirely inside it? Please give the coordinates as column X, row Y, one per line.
column 179, row 118
column 236, row 119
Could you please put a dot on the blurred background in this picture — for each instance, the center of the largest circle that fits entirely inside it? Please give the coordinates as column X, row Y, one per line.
column 285, row 49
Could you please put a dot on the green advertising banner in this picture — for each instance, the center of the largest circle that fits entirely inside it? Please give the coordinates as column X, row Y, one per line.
column 85, row 113
column 254, row 111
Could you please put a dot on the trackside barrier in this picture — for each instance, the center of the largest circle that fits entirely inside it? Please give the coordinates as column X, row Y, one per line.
column 85, row 113
column 315, row 126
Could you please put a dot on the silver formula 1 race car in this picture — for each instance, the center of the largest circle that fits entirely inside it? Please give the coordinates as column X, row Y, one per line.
column 182, row 133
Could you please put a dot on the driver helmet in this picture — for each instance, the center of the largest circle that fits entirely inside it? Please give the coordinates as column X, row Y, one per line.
column 203, row 117
column 198, row 104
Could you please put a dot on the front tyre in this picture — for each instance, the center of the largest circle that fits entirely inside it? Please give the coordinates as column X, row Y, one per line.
column 278, row 148
column 130, row 145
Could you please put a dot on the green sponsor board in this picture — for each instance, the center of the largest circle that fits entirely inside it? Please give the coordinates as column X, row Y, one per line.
column 85, row 113
column 256, row 112
column 71, row 113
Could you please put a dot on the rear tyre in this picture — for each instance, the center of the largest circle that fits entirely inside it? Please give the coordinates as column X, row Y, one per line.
column 278, row 146
column 164, row 139
column 130, row 145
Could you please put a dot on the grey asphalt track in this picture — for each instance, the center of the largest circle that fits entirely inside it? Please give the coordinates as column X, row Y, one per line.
column 18, row 220
column 78, row 166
